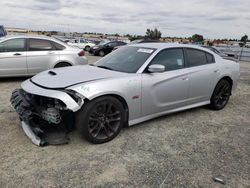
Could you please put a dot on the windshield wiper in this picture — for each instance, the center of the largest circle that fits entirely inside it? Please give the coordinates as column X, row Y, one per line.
column 104, row 67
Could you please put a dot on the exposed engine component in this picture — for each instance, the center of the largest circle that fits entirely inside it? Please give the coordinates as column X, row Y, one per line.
column 52, row 115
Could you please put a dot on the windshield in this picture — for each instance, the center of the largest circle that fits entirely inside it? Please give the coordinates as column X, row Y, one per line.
column 104, row 42
column 126, row 59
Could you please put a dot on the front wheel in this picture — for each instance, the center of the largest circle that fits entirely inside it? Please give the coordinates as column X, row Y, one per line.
column 101, row 120
column 221, row 95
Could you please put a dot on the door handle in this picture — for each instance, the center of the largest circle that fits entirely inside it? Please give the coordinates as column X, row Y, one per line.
column 16, row 54
column 51, row 52
column 217, row 70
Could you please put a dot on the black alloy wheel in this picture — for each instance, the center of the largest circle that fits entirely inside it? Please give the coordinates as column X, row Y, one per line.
column 101, row 119
column 221, row 95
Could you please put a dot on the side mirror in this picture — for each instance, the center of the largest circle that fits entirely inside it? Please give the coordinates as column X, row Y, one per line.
column 156, row 68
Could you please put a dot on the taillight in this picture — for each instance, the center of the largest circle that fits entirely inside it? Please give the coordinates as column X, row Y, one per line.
column 81, row 53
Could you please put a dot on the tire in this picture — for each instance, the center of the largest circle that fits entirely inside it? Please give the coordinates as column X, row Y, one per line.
column 101, row 53
column 63, row 64
column 100, row 120
column 87, row 48
column 221, row 95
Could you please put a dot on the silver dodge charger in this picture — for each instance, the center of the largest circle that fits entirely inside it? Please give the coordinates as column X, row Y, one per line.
column 133, row 84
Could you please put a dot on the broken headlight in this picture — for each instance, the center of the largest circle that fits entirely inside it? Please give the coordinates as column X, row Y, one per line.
column 76, row 96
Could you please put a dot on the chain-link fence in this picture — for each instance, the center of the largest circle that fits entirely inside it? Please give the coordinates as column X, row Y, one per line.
column 243, row 53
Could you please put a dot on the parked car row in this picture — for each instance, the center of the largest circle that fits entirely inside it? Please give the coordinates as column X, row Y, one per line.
column 29, row 55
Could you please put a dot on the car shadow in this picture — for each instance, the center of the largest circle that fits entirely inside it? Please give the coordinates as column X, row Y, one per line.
column 13, row 79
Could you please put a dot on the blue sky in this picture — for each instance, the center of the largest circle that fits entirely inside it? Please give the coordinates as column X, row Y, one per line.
column 211, row 18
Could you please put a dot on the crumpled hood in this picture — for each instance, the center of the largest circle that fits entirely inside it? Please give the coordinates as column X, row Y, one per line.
column 68, row 76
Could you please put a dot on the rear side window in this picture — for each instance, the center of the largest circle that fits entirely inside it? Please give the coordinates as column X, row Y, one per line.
column 210, row 58
column 39, row 45
column 196, row 57
column 13, row 45
column 172, row 59
column 58, row 46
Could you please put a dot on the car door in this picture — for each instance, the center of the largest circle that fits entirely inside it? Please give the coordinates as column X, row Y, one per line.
column 82, row 43
column 41, row 55
column 203, row 75
column 167, row 90
column 13, row 57
column 109, row 47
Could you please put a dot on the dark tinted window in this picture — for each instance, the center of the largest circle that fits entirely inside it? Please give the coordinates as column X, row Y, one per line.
column 121, row 43
column 40, row 45
column 58, row 46
column 13, row 45
column 196, row 57
column 172, row 59
column 210, row 58
column 112, row 44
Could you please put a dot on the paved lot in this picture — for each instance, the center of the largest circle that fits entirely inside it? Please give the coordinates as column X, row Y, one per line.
column 183, row 150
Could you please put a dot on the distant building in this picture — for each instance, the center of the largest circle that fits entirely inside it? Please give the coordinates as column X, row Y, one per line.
column 14, row 31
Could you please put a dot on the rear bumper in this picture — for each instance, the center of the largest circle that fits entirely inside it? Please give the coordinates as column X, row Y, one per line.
column 92, row 51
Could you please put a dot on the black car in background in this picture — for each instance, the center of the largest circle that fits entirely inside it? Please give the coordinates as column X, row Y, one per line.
column 138, row 41
column 105, row 48
column 2, row 31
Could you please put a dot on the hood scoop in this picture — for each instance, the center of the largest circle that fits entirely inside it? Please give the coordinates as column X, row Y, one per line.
column 52, row 73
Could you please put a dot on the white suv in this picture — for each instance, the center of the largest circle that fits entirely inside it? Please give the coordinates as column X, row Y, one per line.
column 82, row 43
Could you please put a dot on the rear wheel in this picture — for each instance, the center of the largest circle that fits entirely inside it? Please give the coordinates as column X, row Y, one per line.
column 63, row 64
column 101, row 120
column 221, row 95
column 87, row 48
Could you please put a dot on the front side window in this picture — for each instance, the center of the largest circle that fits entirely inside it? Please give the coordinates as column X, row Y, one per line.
column 196, row 57
column 39, row 45
column 172, row 59
column 13, row 45
column 126, row 59
column 82, row 41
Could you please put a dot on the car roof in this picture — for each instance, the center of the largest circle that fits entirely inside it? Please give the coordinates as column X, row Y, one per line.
column 33, row 36
column 26, row 36
column 162, row 45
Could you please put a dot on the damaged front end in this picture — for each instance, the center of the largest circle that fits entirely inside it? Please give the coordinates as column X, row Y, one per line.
column 42, row 116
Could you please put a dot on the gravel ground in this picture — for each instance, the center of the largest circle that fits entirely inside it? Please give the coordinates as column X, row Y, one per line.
column 184, row 149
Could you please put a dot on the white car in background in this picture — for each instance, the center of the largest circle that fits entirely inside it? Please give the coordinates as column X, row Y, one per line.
column 82, row 44
column 29, row 55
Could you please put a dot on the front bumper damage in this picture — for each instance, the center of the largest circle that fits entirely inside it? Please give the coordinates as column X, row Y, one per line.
column 45, row 120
